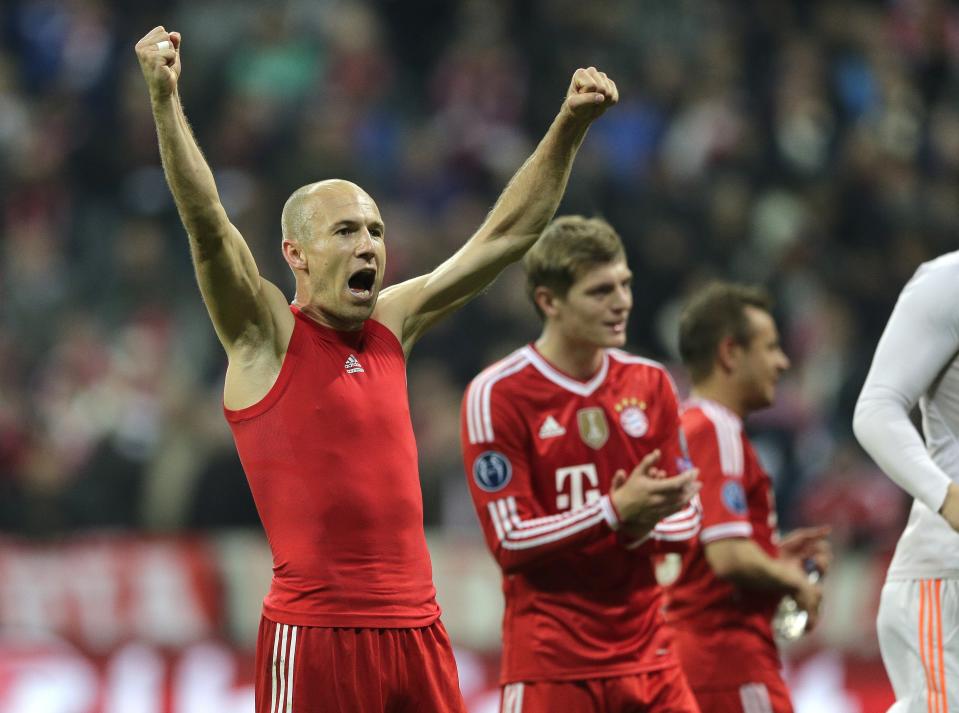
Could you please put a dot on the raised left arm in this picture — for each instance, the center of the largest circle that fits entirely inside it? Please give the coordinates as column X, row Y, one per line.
column 523, row 210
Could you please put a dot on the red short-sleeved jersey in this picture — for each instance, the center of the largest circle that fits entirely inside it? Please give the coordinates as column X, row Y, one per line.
column 331, row 460
column 738, row 501
column 540, row 451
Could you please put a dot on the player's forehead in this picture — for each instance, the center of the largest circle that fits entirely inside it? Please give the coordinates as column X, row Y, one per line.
column 761, row 323
column 338, row 201
column 597, row 274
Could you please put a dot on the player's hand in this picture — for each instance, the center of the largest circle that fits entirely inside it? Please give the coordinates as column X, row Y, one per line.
column 590, row 93
column 647, row 495
column 159, row 56
column 809, row 598
column 808, row 543
column 950, row 507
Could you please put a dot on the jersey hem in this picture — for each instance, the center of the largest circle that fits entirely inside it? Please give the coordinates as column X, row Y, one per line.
column 911, row 575
column 589, row 674
column 349, row 620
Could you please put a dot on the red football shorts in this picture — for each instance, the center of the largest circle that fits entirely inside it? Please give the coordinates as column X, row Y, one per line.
column 303, row 669
column 769, row 696
column 663, row 691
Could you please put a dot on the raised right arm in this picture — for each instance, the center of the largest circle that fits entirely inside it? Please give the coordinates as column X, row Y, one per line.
column 250, row 315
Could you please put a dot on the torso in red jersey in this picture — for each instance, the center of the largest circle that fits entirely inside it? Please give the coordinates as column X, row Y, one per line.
column 713, row 618
column 540, row 451
column 331, row 460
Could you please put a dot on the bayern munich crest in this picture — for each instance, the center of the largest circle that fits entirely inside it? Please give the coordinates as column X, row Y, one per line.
column 634, row 421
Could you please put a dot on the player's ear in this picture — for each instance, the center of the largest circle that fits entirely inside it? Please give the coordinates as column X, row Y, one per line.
column 294, row 255
column 545, row 299
column 727, row 353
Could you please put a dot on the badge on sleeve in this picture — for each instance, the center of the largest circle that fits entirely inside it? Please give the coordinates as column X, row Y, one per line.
column 492, row 471
column 734, row 497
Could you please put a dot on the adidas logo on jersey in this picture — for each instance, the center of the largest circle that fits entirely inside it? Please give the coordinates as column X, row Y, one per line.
column 352, row 365
column 551, row 428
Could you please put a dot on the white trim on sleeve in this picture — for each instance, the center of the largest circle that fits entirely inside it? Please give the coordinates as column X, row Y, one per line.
column 725, row 530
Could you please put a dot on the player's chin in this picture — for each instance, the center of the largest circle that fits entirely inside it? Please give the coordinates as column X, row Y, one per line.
column 767, row 396
column 614, row 338
column 359, row 308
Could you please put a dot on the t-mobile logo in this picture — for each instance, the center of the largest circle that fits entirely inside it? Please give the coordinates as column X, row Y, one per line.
column 579, row 477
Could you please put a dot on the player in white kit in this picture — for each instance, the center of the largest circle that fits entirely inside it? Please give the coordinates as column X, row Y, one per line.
column 917, row 360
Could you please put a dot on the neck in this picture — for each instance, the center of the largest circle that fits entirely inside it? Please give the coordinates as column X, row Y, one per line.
column 321, row 316
column 718, row 390
column 581, row 360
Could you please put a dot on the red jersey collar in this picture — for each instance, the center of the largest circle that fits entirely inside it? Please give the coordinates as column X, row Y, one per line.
column 582, row 388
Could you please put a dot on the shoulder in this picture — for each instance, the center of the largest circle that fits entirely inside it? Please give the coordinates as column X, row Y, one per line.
column 641, row 367
column 488, row 396
column 925, row 308
column 706, row 423
column 935, row 279
column 503, row 373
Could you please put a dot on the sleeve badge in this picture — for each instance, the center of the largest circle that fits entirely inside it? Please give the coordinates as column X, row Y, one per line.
column 734, row 498
column 492, row 471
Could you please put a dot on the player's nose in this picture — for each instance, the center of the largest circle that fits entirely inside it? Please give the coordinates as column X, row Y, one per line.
column 784, row 362
column 364, row 244
column 623, row 299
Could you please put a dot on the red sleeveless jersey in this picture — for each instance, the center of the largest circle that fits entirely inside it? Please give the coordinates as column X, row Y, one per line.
column 331, row 460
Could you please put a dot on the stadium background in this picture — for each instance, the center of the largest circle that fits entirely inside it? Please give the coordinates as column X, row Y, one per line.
column 811, row 146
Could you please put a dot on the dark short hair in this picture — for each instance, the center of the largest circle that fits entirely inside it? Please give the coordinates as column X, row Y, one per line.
column 713, row 313
column 569, row 247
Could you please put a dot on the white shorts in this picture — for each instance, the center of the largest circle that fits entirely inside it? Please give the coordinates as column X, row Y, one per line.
column 918, row 628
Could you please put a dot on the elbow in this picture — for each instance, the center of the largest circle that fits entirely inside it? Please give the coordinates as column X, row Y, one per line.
column 877, row 410
column 724, row 564
column 510, row 243
column 859, row 423
column 724, row 569
column 508, row 563
column 864, row 423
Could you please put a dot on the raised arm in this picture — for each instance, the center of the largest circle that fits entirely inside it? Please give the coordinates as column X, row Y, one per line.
column 250, row 315
column 523, row 210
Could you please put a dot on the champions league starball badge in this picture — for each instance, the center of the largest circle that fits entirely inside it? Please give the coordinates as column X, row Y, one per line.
column 492, row 471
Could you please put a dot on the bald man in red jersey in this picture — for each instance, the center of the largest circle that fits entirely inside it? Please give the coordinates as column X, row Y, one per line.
column 316, row 396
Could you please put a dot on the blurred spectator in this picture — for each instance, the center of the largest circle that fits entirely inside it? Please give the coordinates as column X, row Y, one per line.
column 808, row 144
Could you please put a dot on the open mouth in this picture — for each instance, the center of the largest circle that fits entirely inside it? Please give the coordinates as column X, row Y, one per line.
column 361, row 282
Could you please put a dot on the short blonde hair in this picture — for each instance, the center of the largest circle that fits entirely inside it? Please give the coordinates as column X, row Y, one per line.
column 569, row 247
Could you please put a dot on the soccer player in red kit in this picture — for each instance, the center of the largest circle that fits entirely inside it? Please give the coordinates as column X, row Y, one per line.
column 733, row 579
column 316, row 396
column 549, row 434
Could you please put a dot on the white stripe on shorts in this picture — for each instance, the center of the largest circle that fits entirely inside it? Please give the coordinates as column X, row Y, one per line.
column 289, row 685
column 281, row 700
column 276, row 644
column 513, row 698
column 755, row 698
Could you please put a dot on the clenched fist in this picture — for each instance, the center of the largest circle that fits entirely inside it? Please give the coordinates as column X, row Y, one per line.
column 159, row 56
column 590, row 93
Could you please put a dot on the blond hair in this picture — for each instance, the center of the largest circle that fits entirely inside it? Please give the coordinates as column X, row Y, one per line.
column 569, row 247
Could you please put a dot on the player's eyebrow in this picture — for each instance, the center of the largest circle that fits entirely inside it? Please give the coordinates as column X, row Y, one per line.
column 354, row 223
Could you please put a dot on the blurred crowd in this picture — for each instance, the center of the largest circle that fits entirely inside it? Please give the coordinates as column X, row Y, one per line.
column 812, row 146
